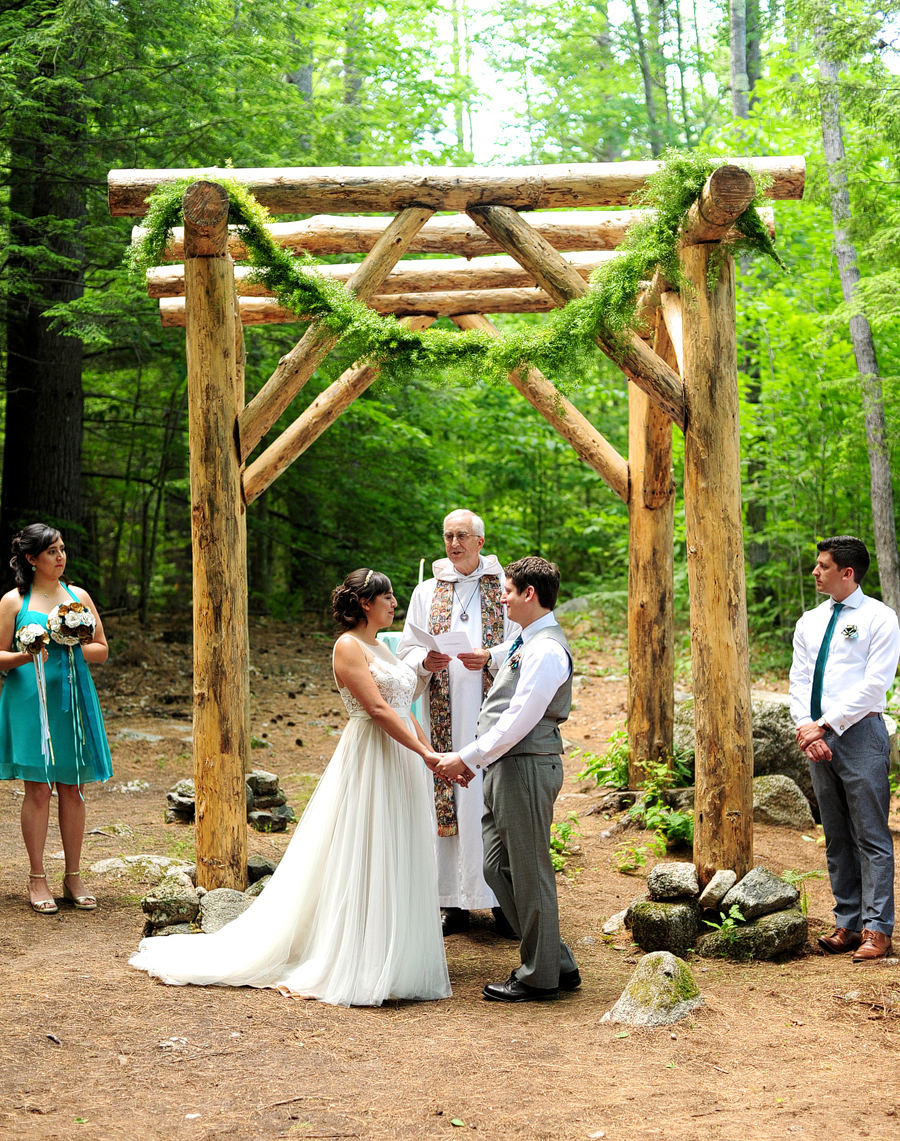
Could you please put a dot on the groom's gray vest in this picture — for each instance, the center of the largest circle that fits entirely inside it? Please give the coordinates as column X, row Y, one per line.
column 545, row 737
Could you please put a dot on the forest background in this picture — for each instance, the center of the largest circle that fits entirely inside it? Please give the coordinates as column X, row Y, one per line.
column 95, row 419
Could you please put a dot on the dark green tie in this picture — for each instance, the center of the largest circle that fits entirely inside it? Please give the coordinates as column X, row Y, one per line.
column 815, row 701
column 516, row 644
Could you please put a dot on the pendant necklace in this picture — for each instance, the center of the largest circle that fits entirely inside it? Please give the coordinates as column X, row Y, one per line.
column 464, row 616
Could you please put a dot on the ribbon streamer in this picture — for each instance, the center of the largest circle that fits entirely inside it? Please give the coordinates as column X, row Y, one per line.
column 46, row 743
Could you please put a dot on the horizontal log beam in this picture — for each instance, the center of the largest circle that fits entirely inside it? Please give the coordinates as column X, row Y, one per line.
column 430, row 276
column 328, row 235
column 726, row 195
column 379, row 189
column 267, row 311
column 554, row 274
column 312, row 422
column 295, row 369
column 575, row 428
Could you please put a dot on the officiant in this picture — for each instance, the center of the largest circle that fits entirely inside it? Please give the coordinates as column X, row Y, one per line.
column 462, row 597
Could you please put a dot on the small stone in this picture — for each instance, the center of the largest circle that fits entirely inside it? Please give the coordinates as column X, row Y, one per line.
column 219, row 906
column 658, row 925
column 266, row 822
column 257, row 887
column 173, row 816
column 176, row 929
column 180, row 803
column 660, row 992
column 286, row 813
column 184, row 787
column 615, row 923
column 760, row 892
column 172, row 901
column 273, row 801
column 262, row 783
column 672, row 880
column 259, row 866
column 718, row 887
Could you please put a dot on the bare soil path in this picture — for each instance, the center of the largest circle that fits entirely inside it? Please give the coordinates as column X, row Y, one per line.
column 91, row 1049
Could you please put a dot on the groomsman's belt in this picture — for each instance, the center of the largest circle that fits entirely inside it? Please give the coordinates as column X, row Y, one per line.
column 865, row 715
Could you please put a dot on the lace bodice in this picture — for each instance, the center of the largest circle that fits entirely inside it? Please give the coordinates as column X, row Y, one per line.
column 396, row 683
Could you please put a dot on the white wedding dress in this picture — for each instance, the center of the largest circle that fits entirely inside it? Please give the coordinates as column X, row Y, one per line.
column 351, row 914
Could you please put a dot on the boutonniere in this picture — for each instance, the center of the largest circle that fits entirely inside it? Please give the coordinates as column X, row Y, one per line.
column 513, row 662
column 850, row 631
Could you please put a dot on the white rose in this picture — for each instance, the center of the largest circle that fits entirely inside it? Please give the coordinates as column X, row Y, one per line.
column 73, row 620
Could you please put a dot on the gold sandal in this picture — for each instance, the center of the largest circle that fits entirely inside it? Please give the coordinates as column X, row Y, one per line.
column 41, row 906
column 79, row 902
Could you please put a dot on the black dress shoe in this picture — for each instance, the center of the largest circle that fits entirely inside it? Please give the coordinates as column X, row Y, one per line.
column 454, row 919
column 502, row 926
column 514, row 991
column 570, row 980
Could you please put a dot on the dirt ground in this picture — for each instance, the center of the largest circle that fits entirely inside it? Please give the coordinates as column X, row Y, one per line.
column 92, row 1049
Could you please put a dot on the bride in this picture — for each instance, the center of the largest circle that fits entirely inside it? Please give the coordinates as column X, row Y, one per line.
column 351, row 915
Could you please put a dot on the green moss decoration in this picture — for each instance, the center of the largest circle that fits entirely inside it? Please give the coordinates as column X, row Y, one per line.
column 557, row 347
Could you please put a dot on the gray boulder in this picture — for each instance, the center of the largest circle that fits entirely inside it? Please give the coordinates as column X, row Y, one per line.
column 718, row 887
column 661, row 991
column 220, row 906
column 775, row 934
column 259, row 866
column 176, row 929
column 285, row 812
column 257, row 887
column 759, row 893
column 775, row 748
column 267, row 821
column 274, row 801
column 172, row 901
column 660, row 926
column 672, row 880
column 778, row 800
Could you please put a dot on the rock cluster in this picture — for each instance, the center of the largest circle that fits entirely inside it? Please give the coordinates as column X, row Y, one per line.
column 267, row 807
column 753, row 918
column 176, row 906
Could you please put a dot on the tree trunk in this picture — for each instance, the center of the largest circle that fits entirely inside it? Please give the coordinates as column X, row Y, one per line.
column 740, row 83
column 44, row 397
column 883, row 520
column 647, row 79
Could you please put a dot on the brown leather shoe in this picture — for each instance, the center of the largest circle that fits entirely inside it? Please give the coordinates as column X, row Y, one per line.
column 840, row 940
column 874, row 945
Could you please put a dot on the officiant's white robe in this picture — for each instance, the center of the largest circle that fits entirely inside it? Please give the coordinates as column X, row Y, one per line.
column 460, row 858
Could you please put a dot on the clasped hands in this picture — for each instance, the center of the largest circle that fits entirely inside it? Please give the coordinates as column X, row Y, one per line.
column 810, row 739
column 449, row 768
column 476, row 660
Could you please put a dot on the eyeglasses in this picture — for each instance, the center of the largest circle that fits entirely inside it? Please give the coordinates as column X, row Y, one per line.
column 460, row 536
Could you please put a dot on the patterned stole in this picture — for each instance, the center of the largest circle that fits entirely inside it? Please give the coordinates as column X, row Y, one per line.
column 439, row 693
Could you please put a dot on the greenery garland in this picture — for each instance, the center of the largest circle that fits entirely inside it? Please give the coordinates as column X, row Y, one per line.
column 557, row 347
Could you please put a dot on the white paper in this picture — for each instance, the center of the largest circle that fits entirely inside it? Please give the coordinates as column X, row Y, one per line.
column 451, row 643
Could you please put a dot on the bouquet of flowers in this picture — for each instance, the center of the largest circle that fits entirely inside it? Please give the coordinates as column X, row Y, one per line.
column 31, row 639
column 71, row 624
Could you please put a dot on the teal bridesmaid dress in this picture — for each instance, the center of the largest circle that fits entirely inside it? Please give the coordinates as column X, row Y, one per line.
column 80, row 749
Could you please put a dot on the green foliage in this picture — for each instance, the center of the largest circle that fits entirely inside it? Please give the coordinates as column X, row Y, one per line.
column 726, row 926
column 610, row 768
column 630, row 858
column 798, row 880
column 561, row 835
column 651, row 811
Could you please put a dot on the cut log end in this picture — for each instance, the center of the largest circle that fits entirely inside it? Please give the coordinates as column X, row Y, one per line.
column 205, row 208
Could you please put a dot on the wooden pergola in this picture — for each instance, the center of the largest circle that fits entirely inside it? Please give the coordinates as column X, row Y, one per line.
column 498, row 257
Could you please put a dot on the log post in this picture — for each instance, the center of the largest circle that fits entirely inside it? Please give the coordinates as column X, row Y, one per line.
column 557, row 277
column 295, row 369
column 651, row 543
column 221, row 691
column 312, row 422
column 723, row 813
column 574, row 427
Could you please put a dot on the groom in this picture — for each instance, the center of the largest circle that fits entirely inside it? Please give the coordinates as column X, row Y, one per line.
column 519, row 747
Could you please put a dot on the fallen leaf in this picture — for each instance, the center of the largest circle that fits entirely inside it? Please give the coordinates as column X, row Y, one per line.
column 810, row 839
column 456, row 1121
column 624, row 1034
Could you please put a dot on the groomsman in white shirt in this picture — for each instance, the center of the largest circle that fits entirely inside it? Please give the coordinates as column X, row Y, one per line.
column 845, row 659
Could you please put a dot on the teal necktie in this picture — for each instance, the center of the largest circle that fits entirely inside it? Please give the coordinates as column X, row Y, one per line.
column 516, row 644
column 815, row 701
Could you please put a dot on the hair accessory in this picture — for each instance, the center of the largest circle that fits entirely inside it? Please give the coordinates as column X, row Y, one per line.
column 368, row 576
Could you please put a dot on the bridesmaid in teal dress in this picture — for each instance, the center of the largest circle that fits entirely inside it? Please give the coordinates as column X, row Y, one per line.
column 80, row 752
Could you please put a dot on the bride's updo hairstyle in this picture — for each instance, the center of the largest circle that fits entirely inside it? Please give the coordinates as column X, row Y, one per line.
column 359, row 586
column 31, row 540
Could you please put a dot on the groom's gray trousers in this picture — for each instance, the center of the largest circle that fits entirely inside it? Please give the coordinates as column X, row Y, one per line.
column 519, row 793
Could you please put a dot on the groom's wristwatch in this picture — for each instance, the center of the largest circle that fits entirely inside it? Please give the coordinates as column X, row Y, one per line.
column 822, row 723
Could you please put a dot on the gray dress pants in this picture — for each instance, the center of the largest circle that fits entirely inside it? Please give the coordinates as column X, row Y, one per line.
column 519, row 793
column 854, row 796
